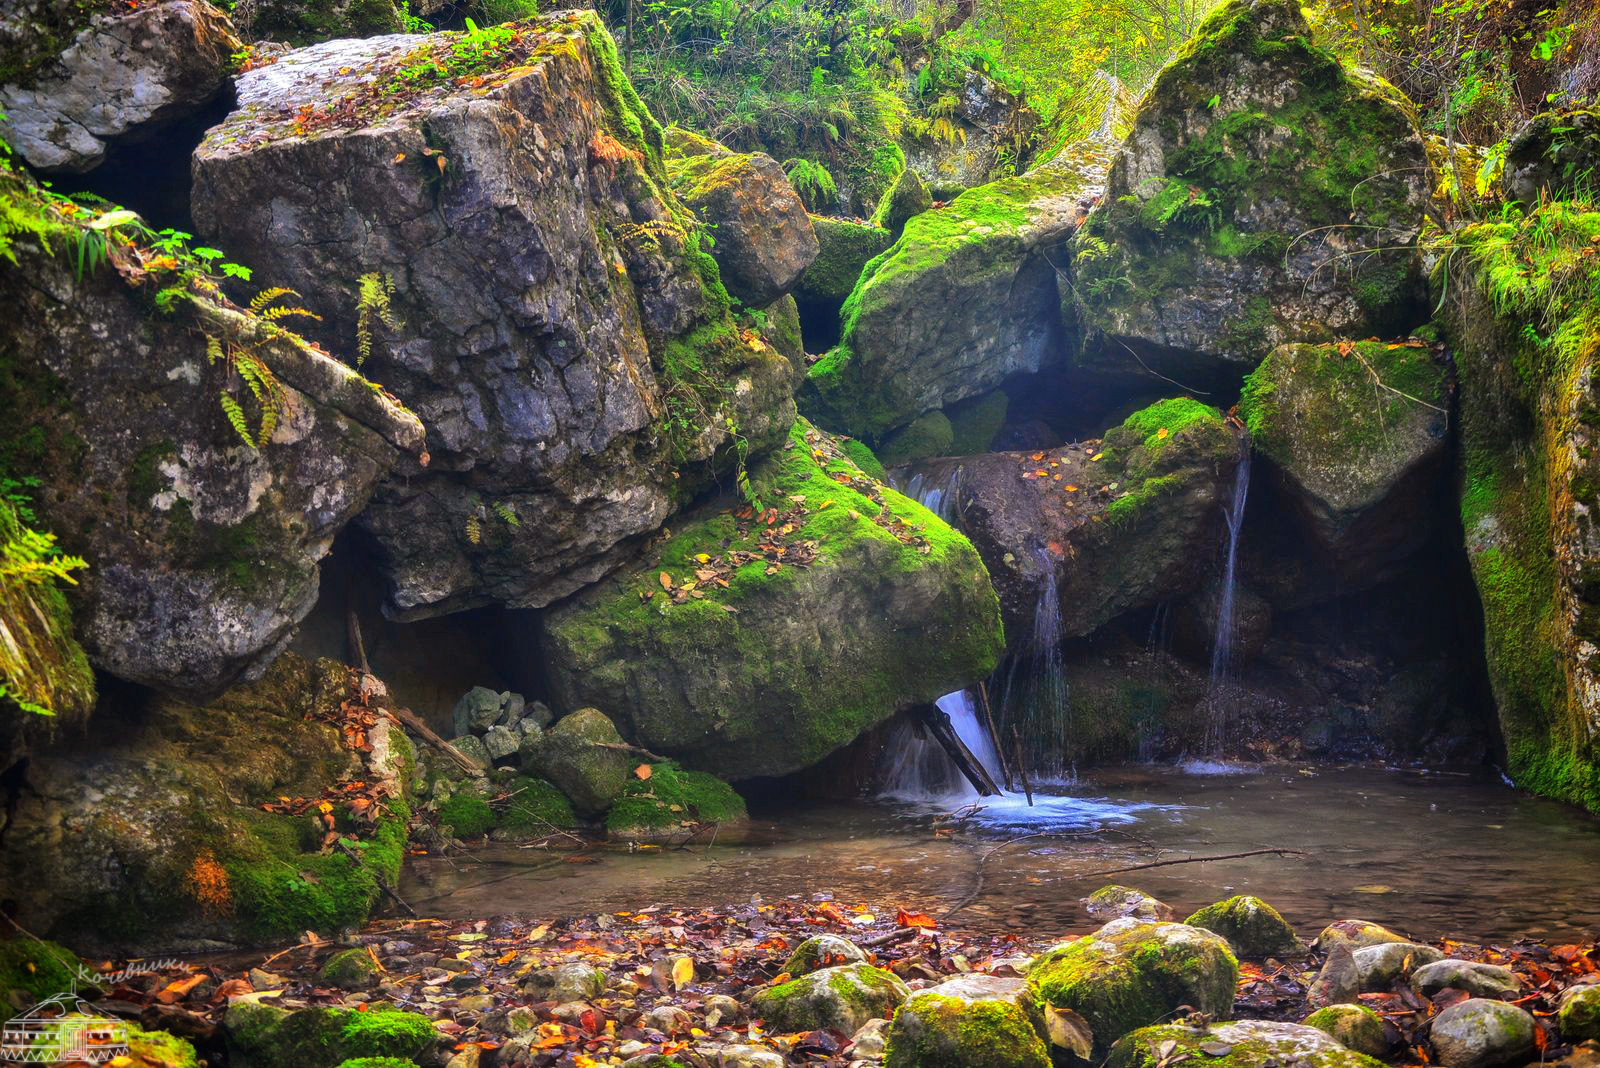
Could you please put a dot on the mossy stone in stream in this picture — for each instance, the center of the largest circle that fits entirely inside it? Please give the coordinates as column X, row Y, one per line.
column 975, row 423
column 1353, row 1027
column 536, row 808
column 378, row 1062
column 1580, row 1014
column 466, row 817
column 263, row 1036
column 964, row 1023
column 844, row 997
column 929, row 434
column 1132, row 974
column 1236, row 1044
column 349, row 969
column 670, row 800
column 42, row 969
column 581, row 755
column 158, row 1049
column 1356, row 934
column 822, row 951
column 1252, row 927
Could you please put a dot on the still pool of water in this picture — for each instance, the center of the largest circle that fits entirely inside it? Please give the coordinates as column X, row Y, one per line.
column 1432, row 854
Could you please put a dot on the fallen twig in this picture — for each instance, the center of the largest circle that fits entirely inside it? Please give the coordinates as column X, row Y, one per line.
column 1191, row 860
column 383, row 884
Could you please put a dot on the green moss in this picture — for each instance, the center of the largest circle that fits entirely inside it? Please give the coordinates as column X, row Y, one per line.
column 930, row 434
column 378, row 1062
column 158, row 1049
column 325, row 1037
column 1252, row 927
column 864, row 458
column 974, row 423
column 947, row 1032
column 348, row 968
column 536, row 807
column 1249, row 1045
column 466, row 817
column 671, row 798
column 1580, row 1016
column 845, row 248
column 905, row 198
column 42, row 969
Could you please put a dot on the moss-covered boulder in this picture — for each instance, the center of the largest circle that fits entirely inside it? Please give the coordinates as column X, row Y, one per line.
column 534, row 809
column 512, row 263
column 37, row 970
column 973, row 1021
column 673, row 802
column 763, row 239
column 1530, row 484
column 1480, row 1033
column 466, row 817
column 194, row 826
column 1555, row 154
column 583, row 756
column 964, row 299
column 975, row 423
column 845, row 248
column 203, row 550
column 1354, row 935
column 822, row 951
column 1579, row 1014
column 1114, row 902
column 46, row 684
column 1267, row 194
column 1252, row 927
column 349, row 969
column 1236, row 1044
column 306, row 22
column 1114, row 522
column 93, row 76
column 1357, row 435
column 1132, row 974
column 1354, row 1027
column 908, row 196
column 755, row 642
column 929, row 434
column 844, row 997
column 159, row 1049
column 264, row 1036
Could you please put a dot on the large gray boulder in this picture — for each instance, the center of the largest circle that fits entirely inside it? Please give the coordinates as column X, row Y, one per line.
column 203, row 550
column 550, row 311
column 583, row 756
column 1357, row 435
column 843, row 997
column 1480, row 1033
column 763, row 239
column 964, row 299
column 1266, row 194
column 756, row 644
column 116, row 79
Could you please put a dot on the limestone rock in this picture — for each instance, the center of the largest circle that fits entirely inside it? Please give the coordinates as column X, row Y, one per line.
column 965, row 298
column 1131, row 974
column 822, row 951
column 790, row 659
column 304, row 22
column 544, row 290
column 844, row 997
column 204, row 549
column 1111, row 524
column 908, row 196
column 1354, row 1027
column 1248, row 206
column 574, row 758
column 121, row 79
column 763, row 237
column 1252, row 927
column 1478, row 979
column 972, row 1020
column 1550, row 153
column 1360, row 461
column 1114, row 902
column 155, row 837
column 1478, row 1033
column 1237, row 1044
column 1355, row 934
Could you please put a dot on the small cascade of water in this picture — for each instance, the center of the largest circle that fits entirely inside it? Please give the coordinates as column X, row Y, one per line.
column 936, row 495
column 918, row 768
column 1034, row 696
column 1222, row 648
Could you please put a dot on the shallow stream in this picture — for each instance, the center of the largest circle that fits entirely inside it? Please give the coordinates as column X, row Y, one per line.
column 1435, row 854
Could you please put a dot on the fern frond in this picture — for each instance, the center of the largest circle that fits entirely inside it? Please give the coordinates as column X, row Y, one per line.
column 236, row 419
column 506, row 514
column 474, row 529
column 267, row 296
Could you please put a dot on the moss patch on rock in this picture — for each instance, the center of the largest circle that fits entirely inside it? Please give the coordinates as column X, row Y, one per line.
column 1249, row 1044
column 846, row 248
column 1252, row 927
column 535, row 808
column 930, row 434
column 845, row 997
column 672, row 800
column 267, row 1037
column 42, row 969
column 935, row 1031
column 466, row 817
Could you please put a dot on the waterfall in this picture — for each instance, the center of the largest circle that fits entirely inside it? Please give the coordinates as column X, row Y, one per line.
column 1222, row 647
column 919, row 770
column 1035, row 695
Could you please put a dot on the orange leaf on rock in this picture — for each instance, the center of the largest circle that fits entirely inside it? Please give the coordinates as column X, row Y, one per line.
column 915, row 919
column 643, row 771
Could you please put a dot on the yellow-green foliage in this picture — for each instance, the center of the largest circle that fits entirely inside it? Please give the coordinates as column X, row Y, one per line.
column 672, row 799
column 374, row 296
column 42, row 667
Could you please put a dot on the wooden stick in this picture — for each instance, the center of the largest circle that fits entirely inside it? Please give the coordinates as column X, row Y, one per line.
column 938, row 723
column 1192, row 860
column 357, row 648
column 902, row 935
column 624, row 747
column 994, row 735
column 413, row 723
column 1022, row 765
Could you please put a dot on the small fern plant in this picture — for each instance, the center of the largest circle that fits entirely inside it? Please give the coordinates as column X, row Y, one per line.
column 247, row 363
column 812, row 181
column 374, row 305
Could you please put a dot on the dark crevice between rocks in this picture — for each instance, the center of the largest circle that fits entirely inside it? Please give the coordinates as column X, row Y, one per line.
column 819, row 324
column 152, row 176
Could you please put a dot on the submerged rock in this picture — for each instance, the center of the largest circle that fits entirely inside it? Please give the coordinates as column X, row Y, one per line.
column 510, row 262
column 1117, row 521
column 1354, row 1027
column 1132, row 974
column 965, row 298
column 967, row 1022
column 1266, row 194
column 1114, row 902
column 763, row 237
column 844, row 997
column 1479, row 1033
column 155, row 836
column 121, row 78
column 1357, row 433
column 1252, row 927
column 744, row 660
column 204, row 549
column 1239, row 1044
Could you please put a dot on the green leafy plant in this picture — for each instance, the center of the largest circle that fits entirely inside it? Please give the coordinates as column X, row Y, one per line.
column 374, row 296
column 812, row 181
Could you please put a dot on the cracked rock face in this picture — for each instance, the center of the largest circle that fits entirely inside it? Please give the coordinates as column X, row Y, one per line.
column 551, row 320
column 119, row 80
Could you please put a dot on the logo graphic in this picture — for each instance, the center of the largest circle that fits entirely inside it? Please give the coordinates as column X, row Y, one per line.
column 62, row 1028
